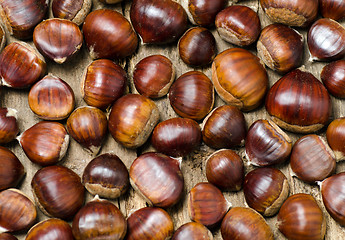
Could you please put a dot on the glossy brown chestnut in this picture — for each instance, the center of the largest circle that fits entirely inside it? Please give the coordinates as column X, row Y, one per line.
column 334, row 9
column 192, row 95
column 149, row 19
column 224, row 169
column 267, row 144
column 312, row 159
column 21, row 16
column 99, row 219
column 245, row 224
column 18, row 212
column 110, row 1
column 7, row 236
column 299, row 13
column 224, row 127
column 192, row 231
column 301, row 218
column 21, row 65
column 265, row 190
column 45, row 143
column 8, row 125
column 103, row 83
column 118, row 37
column 333, row 77
column 158, row 178
column 51, row 98
column 336, row 136
column 333, row 196
column 2, row 38
column 197, row 47
column 176, row 137
column 58, row 191
column 206, row 204
column 298, row 102
column 239, row 78
column 106, row 176
column 149, row 223
column 325, row 40
column 58, row 39
column 50, row 229
column 238, row 25
column 73, row 10
column 132, row 119
column 88, row 126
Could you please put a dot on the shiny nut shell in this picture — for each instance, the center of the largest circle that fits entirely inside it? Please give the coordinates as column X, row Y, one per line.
column 74, row 10
column 192, row 231
column 333, row 77
column 8, row 125
column 336, row 136
column 7, row 236
column 334, row 9
column 52, row 229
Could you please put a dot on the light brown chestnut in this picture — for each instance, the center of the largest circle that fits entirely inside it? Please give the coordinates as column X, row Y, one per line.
column 2, row 38
column 7, row 236
column 51, row 98
column 334, row 9
column 8, row 125
column 336, row 136
column 192, row 231
column 52, row 229
column 106, row 176
column 45, row 143
column 239, row 78
column 333, row 77
column 74, row 10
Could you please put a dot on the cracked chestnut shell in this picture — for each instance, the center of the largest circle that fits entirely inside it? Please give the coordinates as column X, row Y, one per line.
column 336, row 136
column 334, row 9
column 192, row 231
column 8, row 125
column 52, row 229
column 73, row 10
column 333, row 77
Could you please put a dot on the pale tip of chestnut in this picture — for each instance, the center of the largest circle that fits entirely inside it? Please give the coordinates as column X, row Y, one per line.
column 60, row 60
column 137, row 190
column 11, row 112
column 273, row 209
column 64, row 147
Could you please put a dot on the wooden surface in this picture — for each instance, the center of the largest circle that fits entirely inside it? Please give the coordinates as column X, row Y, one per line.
column 193, row 166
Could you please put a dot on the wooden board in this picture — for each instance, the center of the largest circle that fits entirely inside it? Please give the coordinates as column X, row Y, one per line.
column 193, row 166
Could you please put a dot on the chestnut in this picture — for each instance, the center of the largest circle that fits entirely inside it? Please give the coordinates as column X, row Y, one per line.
column 99, row 219
column 224, row 127
column 298, row 102
column 245, row 224
column 74, row 10
column 106, row 176
column 8, row 125
column 224, row 169
column 18, row 212
column 197, row 47
column 267, row 144
column 45, row 143
column 334, row 9
column 103, row 83
column 312, row 159
column 238, row 25
column 192, row 95
column 153, row 76
column 52, row 229
column 51, row 98
column 58, row 39
column 239, row 78
column 333, row 77
column 192, row 231
column 110, row 1
column 336, row 136
column 176, row 137
column 58, row 191
column 300, row 217
column 2, row 37
column 158, row 21
column 21, row 65
column 158, row 178
column 206, row 204
column 88, row 126
column 118, row 37
column 7, row 236
column 132, row 119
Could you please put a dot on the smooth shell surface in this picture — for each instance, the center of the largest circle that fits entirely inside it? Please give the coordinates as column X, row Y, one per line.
column 50, row 229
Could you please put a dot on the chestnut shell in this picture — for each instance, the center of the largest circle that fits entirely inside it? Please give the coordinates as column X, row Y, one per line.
column 8, row 125
column 74, row 10
column 52, row 229
column 334, row 9
column 336, row 136
column 333, row 77
column 192, row 231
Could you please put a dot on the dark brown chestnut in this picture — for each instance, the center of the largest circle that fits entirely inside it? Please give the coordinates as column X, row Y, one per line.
column 158, row 178
column 106, row 176
column 51, row 98
column 334, row 9
column 58, row 191
column 239, row 78
column 118, row 37
column 176, row 137
column 8, row 125
column 73, row 10
column 52, row 229
column 103, row 83
column 298, row 102
column 7, row 236
column 238, row 25
column 192, row 95
column 224, row 169
column 149, row 19
column 2, row 37
column 336, row 136
column 58, row 39
column 333, row 77
column 192, row 231
column 132, row 119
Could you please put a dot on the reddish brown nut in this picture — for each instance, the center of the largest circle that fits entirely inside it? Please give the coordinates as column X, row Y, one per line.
column 2, row 38
column 106, row 176
column 74, row 10
column 336, row 136
column 238, row 25
column 8, row 125
column 65, row 198
column 7, row 236
column 58, row 39
column 88, row 126
column 103, row 83
column 45, row 143
column 51, row 98
column 239, row 78
column 52, row 229
column 192, row 231
column 21, row 65
column 224, row 169
column 334, row 9
column 132, row 119
column 118, row 37
column 110, row 1
column 333, row 77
